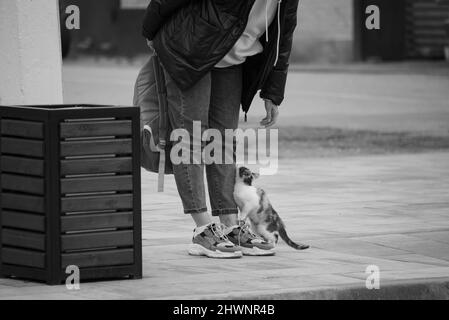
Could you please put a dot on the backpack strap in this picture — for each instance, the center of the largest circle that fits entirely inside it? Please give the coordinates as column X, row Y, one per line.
column 163, row 119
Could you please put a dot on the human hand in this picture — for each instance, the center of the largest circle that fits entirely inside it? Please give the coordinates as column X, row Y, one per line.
column 272, row 114
column 150, row 44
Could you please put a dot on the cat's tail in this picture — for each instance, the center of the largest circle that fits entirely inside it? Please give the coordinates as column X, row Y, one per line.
column 286, row 238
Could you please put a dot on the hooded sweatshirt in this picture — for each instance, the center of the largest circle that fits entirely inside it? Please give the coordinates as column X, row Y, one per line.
column 260, row 18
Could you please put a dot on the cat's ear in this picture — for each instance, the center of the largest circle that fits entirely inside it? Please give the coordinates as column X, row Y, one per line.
column 256, row 175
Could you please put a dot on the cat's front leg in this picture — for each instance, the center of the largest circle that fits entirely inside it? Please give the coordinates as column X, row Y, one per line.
column 244, row 213
column 268, row 236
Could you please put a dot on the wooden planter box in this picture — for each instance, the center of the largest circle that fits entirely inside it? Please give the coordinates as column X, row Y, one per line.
column 70, row 192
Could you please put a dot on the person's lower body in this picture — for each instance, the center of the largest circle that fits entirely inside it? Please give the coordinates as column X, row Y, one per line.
column 212, row 103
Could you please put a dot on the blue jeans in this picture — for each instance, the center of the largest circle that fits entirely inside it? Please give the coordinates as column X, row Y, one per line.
column 215, row 101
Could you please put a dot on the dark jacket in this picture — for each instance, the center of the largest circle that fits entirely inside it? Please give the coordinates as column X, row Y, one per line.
column 192, row 36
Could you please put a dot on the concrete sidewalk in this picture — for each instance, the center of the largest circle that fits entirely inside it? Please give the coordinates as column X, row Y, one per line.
column 390, row 211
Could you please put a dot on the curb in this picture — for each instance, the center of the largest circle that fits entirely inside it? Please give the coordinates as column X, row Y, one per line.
column 385, row 68
column 423, row 289
column 416, row 290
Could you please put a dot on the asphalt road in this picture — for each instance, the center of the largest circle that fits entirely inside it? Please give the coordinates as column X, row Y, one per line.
column 379, row 101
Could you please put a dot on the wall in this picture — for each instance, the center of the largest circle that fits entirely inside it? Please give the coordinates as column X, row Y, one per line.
column 30, row 55
column 325, row 31
column 324, row 34
column 107, row 29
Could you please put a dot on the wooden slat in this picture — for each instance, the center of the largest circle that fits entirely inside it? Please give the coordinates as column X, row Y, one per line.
column 24, row 147
column 24, row 272
column 22, row 165
column 108, row 272
column 432, row 13
column 19, row 128
column 425, row 22
column 21, row 202
column 23, row 221
column 94, row 166
column 96, row 221
column 93, row 203
column 96, row 240
column 96, row 184
column 429, row 33
column 14, row 182
column 96, row 128
column 429, row 42
column 23, row 257
column 23, row 239
column 96, row 147
column 98, row 258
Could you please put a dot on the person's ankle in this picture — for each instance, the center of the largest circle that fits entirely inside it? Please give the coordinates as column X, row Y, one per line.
column 201, row 219
column 200, row 229
column 229, row 220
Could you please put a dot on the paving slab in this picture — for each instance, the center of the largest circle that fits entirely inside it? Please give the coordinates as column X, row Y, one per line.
column 391, row 211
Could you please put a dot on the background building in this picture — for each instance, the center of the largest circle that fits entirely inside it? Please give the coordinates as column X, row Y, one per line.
column 328, row 30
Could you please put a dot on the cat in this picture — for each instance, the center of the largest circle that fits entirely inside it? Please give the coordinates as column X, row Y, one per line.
column 255, row 206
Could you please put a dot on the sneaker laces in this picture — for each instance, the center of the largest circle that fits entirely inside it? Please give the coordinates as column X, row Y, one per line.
column 217, row 230
column 245, row 227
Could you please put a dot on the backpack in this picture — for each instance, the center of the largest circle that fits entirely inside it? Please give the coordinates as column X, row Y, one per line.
column 150, row 95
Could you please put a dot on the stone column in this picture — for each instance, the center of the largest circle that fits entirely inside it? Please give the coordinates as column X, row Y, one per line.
column 30, row 52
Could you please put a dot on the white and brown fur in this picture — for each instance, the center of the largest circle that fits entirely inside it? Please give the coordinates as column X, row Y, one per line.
column 254, row 205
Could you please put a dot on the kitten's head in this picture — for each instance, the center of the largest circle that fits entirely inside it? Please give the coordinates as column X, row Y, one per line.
column 246, row 175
